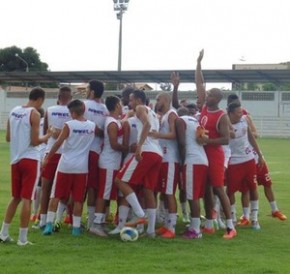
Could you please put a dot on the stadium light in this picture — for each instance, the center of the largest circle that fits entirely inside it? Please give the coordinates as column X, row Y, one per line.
column 23, row 60
column 120, row 6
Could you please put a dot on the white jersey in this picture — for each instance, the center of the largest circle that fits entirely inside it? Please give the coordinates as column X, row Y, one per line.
column 75, row 154
column 56, row 117
column 20, row 135
column 110, row 158
column 132, row 121
column 194, row 153
column 150, row 144
column 169, row 147
column 241, row 150
column 96, row 112
column 42, row 147
column 227, row 152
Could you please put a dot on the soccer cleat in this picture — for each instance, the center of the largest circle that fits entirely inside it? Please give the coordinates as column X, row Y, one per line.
column 56, row 226
column 37, row 226
column 278, row 214
column 33, row 217
column 161, row 230
column 168, row 234
column 19, row 243
column 256, row 225
column 115, row 231
column 5, row 239
column 97, row 230
column 244, row 221
column 68, row 219
column 191, row 234
column 230, row 233
column 185, row 219
column 76, row 231
column 48, row 229
column 208, row 230
column 137, row 221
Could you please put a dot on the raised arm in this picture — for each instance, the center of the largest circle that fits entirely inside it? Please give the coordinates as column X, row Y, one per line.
column 199, row 81
column 175, row 79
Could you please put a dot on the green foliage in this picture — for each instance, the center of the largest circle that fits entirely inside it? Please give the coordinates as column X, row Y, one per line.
column 264, row 251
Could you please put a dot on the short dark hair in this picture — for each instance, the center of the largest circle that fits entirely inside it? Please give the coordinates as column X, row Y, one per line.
column 111, row 102
column 76, row 106
column 140, row 94
column 191, row 105
column 97, row 87
column 233, row 106
column 232, row 97
column 127, row 91
column 36, row 93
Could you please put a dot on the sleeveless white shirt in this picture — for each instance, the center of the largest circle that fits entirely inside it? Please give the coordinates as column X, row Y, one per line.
column 56, row 117
column 75, row 154
column 194, row 153
column 169, row 147
column 20, row 135
column 110, row 158
column 97, row 113
column 150, row 144
column 132, row 121
column 241, row 150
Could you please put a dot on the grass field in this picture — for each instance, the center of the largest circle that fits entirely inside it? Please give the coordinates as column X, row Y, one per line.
column 265, row 251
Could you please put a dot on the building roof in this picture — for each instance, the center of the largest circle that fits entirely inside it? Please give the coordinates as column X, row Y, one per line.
column 157, row 76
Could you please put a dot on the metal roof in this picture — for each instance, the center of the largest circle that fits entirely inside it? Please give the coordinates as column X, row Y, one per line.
column 159, row 76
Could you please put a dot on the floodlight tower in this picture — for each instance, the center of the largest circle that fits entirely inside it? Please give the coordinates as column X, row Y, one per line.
column 120, row 6
column 25, row 62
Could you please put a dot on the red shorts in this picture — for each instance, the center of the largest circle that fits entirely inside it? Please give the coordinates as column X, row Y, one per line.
column 66, row 184
column 144, row 172
column 48, row 172
column 24, row 176
column 263, row 175
column 194, row 177
column 216, row 170
column 168, row 178
column 107, row 190
column 242, row 177
column 93, row 170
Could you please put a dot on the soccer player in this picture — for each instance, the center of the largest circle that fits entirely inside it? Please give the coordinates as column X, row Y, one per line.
column 109, row 163
column 194, row 165
column 263, row 176
column 76, row 136
column 96, row 112
column 169, row 172
column 23, row 123
column 242, row 167
column 144, row 167
column 216, row 122
column 55, row 117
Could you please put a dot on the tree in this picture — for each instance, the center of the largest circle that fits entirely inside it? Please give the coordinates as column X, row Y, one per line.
column 10, row 62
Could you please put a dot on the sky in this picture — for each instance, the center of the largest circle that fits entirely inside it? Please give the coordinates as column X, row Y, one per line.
column 83, row 35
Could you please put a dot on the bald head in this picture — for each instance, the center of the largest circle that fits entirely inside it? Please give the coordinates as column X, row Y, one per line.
column 217, row 93
column 214, row 96
column 163, row 102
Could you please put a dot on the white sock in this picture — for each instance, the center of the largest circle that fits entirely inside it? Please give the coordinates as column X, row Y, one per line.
column 234, row 212
column 99, row 218
column 23, row 234
column 183, row 209
column 123, row 215
column 254, row 210
column 246, row 212
column 91, row 215
column 76, row 221
column 151, row 212
column 36, row 202
column 50, row 217
column 166, row 219
column 195, row 224
column 5, row 229
column 171, row 223
column 43, row 218
column 208, row 223
column 60, row 210
column 133, row 202
column 274, row 206
column 229, row 224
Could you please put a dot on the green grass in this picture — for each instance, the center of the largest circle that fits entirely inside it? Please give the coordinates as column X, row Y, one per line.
column 265, row 251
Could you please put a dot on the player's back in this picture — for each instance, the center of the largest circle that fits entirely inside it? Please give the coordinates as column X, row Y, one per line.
column 20, row 133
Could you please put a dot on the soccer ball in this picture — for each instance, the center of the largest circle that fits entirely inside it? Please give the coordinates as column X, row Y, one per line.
column 129, row 234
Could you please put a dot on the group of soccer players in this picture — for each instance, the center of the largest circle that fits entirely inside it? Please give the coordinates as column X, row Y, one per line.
column 122, row 150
